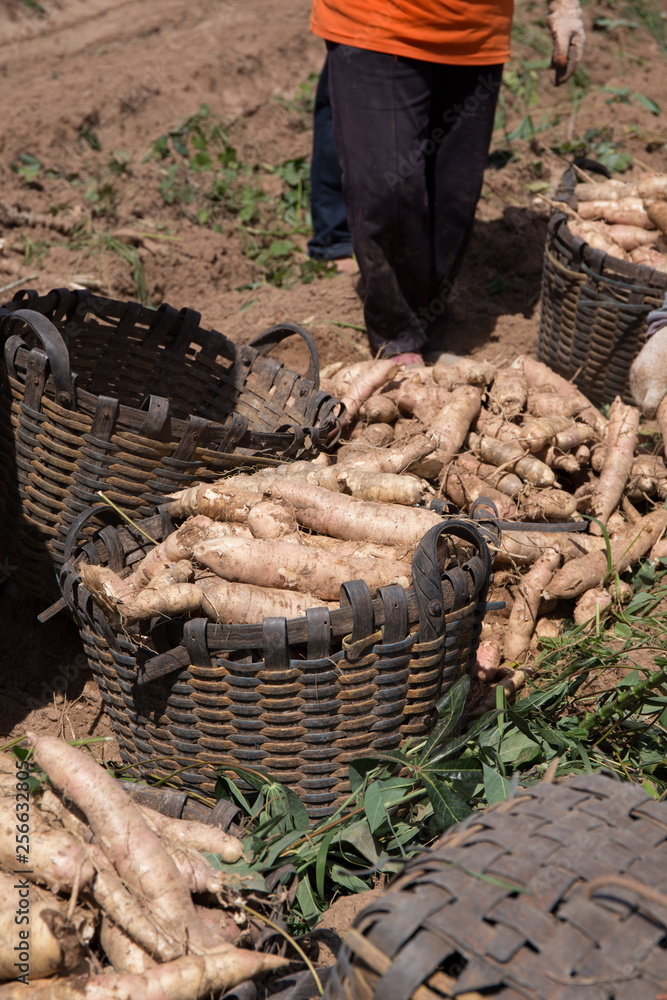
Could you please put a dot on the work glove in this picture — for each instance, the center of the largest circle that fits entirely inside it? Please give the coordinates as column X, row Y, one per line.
column 648, row 374
column 567, row 29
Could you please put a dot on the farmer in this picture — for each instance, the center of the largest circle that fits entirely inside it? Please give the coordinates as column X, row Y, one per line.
column 413, row 88
column 331, row 234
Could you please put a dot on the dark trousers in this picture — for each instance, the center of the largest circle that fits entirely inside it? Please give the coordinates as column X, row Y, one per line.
column 412, row 139
column 331, row 235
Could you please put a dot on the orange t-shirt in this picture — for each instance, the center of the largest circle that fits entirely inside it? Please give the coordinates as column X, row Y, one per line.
column 461, row 32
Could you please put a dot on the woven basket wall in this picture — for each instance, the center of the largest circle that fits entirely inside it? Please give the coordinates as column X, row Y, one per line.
column 594, row 309
column 104, row 395
column 297, row 698
column 512, row 905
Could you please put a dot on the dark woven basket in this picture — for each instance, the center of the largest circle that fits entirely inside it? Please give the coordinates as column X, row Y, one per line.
column 157, row 403
column 594, row 309
column 298, row 699
column 537, row 928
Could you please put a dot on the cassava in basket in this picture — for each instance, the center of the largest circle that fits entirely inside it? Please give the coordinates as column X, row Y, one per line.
column 557, row 894
column 298, row 699
column 594, row 309
column 105, row 395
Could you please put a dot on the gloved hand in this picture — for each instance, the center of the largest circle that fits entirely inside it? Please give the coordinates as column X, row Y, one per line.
column 567, row 29
column 648, row 374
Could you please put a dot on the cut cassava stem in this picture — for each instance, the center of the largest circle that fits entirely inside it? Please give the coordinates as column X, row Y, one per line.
column 621, row 443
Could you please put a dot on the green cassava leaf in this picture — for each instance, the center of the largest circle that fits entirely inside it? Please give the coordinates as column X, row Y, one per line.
column 496, row 788
column 310, row 911
column 448, row 807
column 450, row 709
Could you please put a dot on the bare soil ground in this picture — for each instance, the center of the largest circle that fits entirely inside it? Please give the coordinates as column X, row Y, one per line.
column 89, row 85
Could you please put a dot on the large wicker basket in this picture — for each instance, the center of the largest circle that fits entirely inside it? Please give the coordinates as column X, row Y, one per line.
column 298, row 699
column 594, row 309
column 557, row 894
column 138, row 403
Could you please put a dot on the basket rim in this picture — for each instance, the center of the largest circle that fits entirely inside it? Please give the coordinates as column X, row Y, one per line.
column 637, row 277
column 55, row 306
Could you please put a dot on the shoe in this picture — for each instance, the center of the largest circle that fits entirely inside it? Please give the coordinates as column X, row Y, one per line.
column 441, row 358
column 408, row 360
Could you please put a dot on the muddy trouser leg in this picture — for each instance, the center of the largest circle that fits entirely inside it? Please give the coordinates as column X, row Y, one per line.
column 464, row 103
column 331, row 235
column 381, row 109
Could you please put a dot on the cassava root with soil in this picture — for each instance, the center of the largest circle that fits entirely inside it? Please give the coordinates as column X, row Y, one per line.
column 626, row 220
column 109, row 863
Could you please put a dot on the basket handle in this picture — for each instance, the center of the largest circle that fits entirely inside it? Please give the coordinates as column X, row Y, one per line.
column 273, row 335
column 54, row 346
column 426, row 579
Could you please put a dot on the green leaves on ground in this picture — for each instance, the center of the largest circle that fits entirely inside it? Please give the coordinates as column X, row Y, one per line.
column 204, row 175
column 401, row 800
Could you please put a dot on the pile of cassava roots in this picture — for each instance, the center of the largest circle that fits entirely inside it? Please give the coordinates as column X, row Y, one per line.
column 282, row 539
column 98, row 893
column 625, row 220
